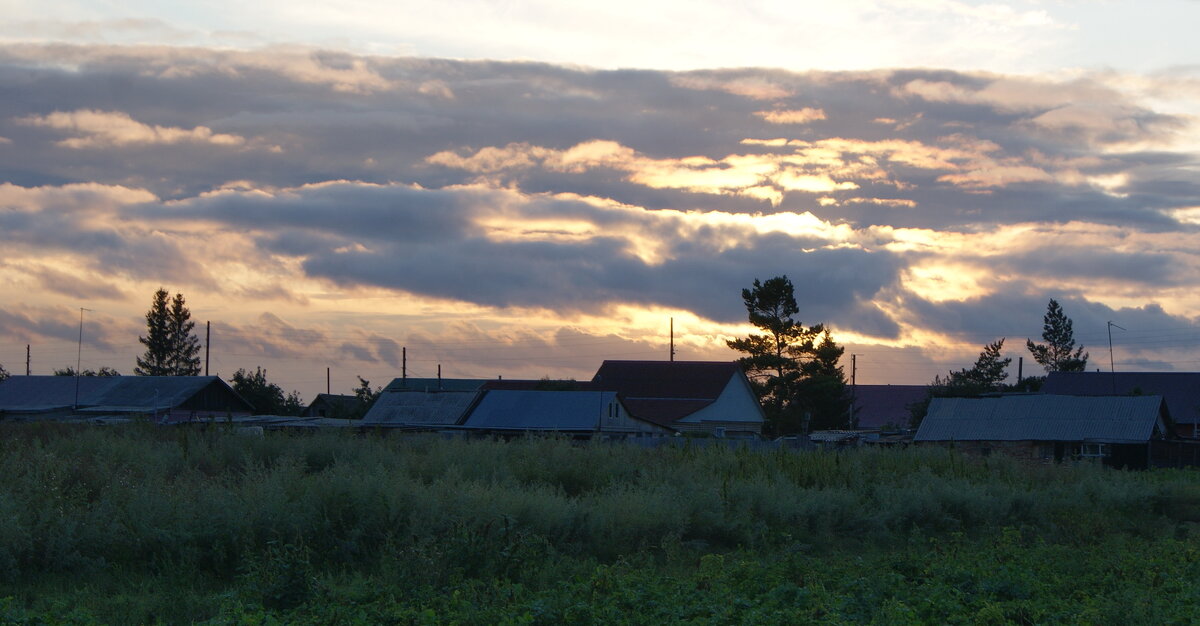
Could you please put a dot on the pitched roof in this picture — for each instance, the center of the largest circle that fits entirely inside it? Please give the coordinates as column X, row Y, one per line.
column 415, row 408
column 331, row 402
column 1041, row 417
column 44, row 393
column 435, row 384
column 663, row 392
column 691, row 380
column 1181, row 390
column 511, row 409
column 879, row 405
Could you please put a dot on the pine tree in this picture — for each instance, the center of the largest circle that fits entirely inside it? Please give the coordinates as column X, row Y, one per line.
column 171, row 348
column 791, row 373
column 4, row 375
column 1059, row 353
column 987, row 375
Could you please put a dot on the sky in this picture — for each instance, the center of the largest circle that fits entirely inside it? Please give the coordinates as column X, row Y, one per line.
column 526, row 189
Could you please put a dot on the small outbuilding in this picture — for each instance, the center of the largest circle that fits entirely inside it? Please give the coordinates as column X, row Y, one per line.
column 1117, row 430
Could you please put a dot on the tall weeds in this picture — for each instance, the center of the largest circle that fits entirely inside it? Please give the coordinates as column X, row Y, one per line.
column 79, row 501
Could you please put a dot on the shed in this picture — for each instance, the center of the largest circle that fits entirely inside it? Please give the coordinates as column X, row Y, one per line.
column 332, row 405
column 1116, row 429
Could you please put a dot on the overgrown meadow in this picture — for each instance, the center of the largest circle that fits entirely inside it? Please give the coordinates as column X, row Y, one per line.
column 142, row 524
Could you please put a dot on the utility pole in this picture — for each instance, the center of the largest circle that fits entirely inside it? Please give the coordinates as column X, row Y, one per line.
column 1112, row 366
column 26, row 359
column 79, row 358
column 327, row 381
column 207, row 343
column 1020, row 368
column 404, row 363
column 439, row 376
column 853, row 388
column 672, row 339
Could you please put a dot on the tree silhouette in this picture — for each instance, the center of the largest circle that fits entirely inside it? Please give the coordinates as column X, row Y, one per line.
column 171, row 348
column 103, row 371
column 987, row 375
column 791, row 373
column 4, row 375
column 1059, row 353
column 267, row 397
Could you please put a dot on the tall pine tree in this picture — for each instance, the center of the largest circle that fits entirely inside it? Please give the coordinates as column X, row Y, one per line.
column 792, row 374
column 171, row 349
column 1059, row 353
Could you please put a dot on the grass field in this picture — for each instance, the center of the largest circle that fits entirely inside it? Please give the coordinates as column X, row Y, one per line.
column 144, row 524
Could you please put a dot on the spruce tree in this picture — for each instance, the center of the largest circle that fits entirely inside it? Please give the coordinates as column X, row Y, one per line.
column 1059, row 353
column 157, row 359
column 185, row 347
column 171, row 349
column 3, row 374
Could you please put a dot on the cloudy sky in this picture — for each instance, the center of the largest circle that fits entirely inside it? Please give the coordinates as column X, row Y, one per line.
column 526, row 189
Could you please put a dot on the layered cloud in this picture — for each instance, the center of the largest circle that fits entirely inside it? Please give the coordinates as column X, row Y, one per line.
column 364, row 204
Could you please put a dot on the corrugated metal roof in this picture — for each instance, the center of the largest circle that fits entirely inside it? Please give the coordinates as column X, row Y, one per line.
column 443, row 408
column 505, row 409
column 1112, row 419
column 1181, row 390
column 33, row 393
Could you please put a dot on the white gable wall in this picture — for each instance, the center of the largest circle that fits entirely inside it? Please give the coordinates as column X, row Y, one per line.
column 735, row 406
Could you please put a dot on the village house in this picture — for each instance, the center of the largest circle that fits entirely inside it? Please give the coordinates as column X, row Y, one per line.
column 712, row 397
column 885, row 406
column 1116, row 430
column 162, row 399
column 423, row 403
column 571, row 412
column 1180, row 390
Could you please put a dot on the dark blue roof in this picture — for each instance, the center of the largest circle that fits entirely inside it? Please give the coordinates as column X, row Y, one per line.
column 506, row 409
column 1181, row 390
column 43, row 393
column 1041, row 417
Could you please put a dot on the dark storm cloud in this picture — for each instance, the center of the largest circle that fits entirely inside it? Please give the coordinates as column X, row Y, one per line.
column 430, row 242
column 311, row 117
column 462, row 180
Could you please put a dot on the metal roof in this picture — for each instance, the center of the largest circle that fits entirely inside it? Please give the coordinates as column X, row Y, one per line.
column 506, row 409
column 878, row 405
column 1114, row 419
column 1181, row 390
column 441, row 408
column 435, row 384
column 663, row 392
column 40, row 393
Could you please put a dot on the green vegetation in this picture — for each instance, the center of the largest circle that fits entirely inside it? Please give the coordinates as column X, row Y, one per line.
column 146, row 524
column 794, row 369
column 266, row 397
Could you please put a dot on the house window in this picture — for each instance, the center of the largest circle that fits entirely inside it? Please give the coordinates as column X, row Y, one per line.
column 1091, row 450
